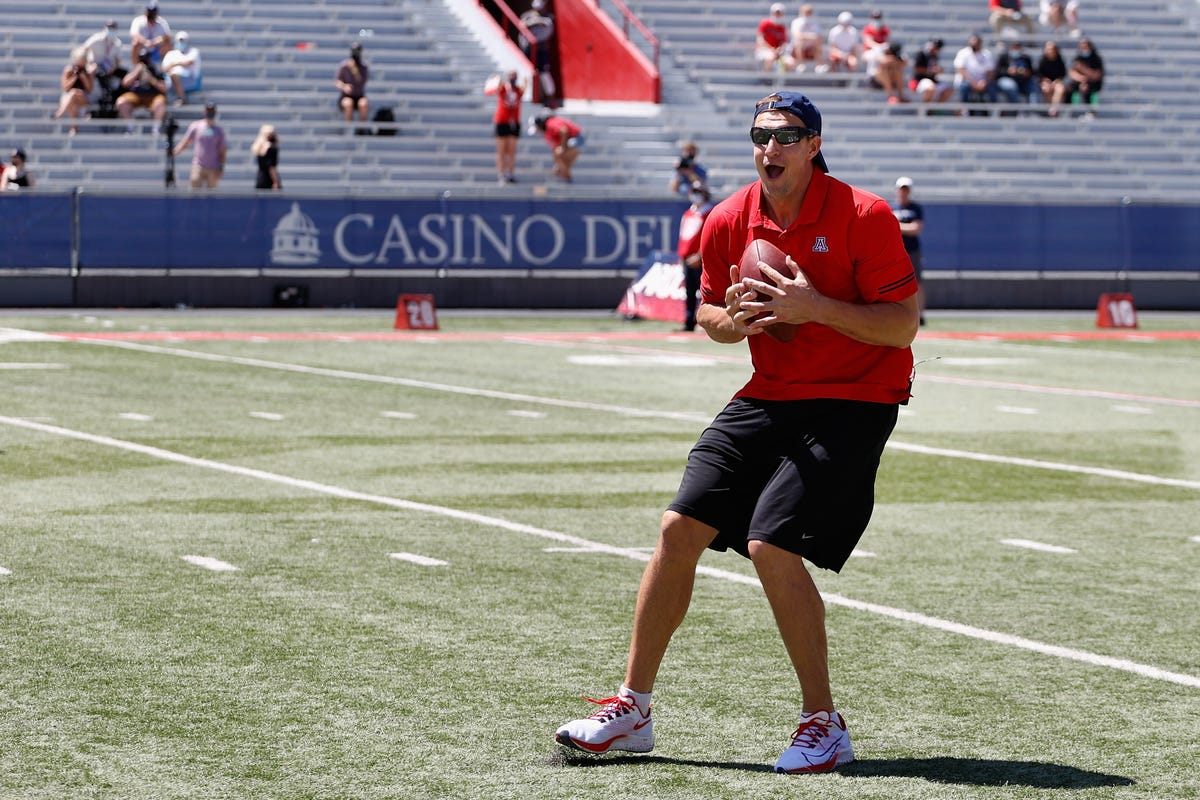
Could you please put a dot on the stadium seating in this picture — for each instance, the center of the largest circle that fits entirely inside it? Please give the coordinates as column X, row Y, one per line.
column 272, row 61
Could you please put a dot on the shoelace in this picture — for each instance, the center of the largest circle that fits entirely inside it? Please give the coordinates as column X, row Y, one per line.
column 810, row 733
column 613, row 707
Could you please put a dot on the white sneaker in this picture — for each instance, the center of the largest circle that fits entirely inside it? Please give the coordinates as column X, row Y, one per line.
column 618, row 725
column 818, row 745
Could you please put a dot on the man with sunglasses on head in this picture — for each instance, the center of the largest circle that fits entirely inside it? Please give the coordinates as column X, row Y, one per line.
column 786, row 472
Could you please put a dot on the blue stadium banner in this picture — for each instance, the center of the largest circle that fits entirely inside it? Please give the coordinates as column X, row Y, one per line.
column 36, row 231
column 294, row 233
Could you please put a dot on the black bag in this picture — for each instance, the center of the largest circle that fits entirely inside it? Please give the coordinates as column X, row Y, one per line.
column 385, row 114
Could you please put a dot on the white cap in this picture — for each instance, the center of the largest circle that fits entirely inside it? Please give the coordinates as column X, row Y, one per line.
column 845, row 18
column 904, row 182
column 182, row 36
column 777, row 8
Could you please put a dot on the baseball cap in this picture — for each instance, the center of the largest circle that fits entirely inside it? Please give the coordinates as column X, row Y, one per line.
column 777, row 8
column 18, row 153
column 797, row 105
column 182, row 36
column 904, row 182
column 845, row 18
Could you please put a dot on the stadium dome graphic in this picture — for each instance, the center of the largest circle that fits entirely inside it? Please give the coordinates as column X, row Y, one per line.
column 296, row 239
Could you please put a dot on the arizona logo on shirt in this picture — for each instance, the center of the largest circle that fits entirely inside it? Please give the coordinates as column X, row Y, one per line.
column 820, row 246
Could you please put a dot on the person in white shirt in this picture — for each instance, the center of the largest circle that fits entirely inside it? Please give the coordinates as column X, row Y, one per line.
column 808, row 41
column 150, row 32
column 182, row 68
column 975, row 71
column 845, row 46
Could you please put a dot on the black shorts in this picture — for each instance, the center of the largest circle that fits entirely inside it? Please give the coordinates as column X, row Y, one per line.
column 799, row 474
column 505, row 129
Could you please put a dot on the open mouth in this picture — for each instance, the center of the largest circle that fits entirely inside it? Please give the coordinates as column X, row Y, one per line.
column 773, row 170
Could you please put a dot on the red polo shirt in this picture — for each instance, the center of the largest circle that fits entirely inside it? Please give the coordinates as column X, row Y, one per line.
column 848, row 243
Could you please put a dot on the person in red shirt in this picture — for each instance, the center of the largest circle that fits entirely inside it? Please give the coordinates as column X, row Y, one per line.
column 772, row 41
column 565, row 139
column 690, row 227
column 786, row 472
column 875, row 33
column 509, row 90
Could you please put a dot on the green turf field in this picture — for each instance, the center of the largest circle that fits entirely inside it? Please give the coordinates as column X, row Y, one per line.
column 296, row 555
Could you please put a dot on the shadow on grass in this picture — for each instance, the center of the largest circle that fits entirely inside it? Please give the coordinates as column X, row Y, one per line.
column 964, row 771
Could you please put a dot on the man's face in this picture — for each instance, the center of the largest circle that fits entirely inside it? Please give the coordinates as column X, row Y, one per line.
column 784, row 169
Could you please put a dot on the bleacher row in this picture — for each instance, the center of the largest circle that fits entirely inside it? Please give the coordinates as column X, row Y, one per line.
column 272, row 61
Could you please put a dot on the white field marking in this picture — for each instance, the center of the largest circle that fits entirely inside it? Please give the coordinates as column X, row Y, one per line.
column 31, row 365
column 215, row 564
column 643, row 360
column 1133, row 409
column 703, row 419
column 398, row 414
column 995, row 637
column 1058, row 390
column 1016, row 410
column 516, row 412
column 4, row 571
column 1039, row 546
column 136, row 417
column 1195, row 539
column 18, row 335
column 424, row 561
column 590, row 549
column 957, row 361
column 268, row 415
column 856, row 553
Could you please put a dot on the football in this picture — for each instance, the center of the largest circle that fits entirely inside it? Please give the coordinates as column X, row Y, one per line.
column 762, row 250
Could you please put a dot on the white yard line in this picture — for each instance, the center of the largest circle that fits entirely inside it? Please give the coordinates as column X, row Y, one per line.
column 207, row 562
column 1039, row 546
column 634, row 554
column 422, row 561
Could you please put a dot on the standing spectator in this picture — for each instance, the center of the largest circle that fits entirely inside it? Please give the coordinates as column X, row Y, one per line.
column 351, row 81
column 150, row 32
column 1015, row 74
column 265, row 148
column 1085, row 76
column 1008, row 14
column 144, row 87
column 875, row 33
column 785, row 474
column 975, row 72
column 16, row 175
column 911, row 217
column 808, row 41
column 104, row 59
column 929, row 80
column 507, row 121
column 565, row 139
column 844, row 46
column 1051, row 71
column 690, row 227
column 540, row 24
column 885, row 70
column 182, row 67
column 77, row 84
column 208, row 154
column 688, row 171
column 772, row 41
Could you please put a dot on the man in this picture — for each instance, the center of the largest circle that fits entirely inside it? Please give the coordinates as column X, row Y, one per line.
column 771, row 41
column 1014, row 74
column 144, row 87
column 688, row 171
column 911, row 217
column 688, row 249
column 975, row 72
column 150, row 32
column 1007, row 14
column 808, row 41
column 844, row 47
column 182, row 67
column 928, row 80
column 208, row 158
column 786, row 471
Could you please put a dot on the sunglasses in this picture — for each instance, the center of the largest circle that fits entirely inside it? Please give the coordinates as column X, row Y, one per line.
column 785, row 136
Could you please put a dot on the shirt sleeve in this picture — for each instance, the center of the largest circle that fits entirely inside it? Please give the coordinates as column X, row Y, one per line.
column 882, row 269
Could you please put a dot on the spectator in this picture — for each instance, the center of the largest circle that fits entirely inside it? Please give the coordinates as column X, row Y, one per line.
column 929, row 80
column 208, row 154
column 565, row 139
column 844, row 47
column 77, row 84
column 265, row 148
column 885, row 70
column 690, row 227
column 1051, row 70
column 1085, row 76
column 1007, row 14
column 16, row 175
column 182, row 67
column 144, row 87
column 507, row 121
column 1015, row 74
column 104, row 56
column 772, row 41
column 688, row 171
column 150, row 32
column 808, row 41
column 875, row 33
column 540, row 24
column 351, row 81
column 975, row 72
column 1059, row 16
column 911, row 217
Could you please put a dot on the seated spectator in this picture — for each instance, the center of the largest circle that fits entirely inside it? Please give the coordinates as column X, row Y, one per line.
column 771, row 41
column 150, row 32
column 182, row 68
column 1051, row 71
column 1015, row 75
column 975, row 72
column 351, row 82
column 875, row 33
column 144, row 87
column 688, row 171
column 1060, row 17
column 104, row 58
column 808, row 41
column 565, row 139
column 16, row 175
column 1006, row 14
column 885, row 70
column 77, row 84
column 844, row 45
column 929, row 80
column 1085, row 76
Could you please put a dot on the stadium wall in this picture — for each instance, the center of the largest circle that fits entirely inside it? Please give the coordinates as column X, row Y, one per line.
column 96, row 249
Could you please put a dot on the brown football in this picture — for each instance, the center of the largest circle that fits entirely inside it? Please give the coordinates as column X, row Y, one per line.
column 762, row 250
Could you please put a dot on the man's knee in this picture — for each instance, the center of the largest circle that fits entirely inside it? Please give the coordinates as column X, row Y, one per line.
column 684, row 536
